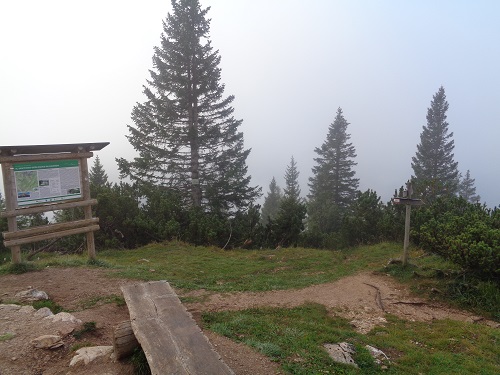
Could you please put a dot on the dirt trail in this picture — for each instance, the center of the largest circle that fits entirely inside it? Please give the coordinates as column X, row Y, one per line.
column 363, row 299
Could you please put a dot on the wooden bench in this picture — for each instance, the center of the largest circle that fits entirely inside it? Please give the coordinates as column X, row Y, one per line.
column 167, row 333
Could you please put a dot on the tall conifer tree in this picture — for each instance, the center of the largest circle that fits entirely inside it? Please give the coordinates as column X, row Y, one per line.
column 467, row 189
column 292, row 211
column 333, row 186
column 435, row 170
column 97, row 175
column 185, row 132
column 271, row 202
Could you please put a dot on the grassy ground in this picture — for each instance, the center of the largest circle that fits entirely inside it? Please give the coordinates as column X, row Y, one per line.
column 295, row 337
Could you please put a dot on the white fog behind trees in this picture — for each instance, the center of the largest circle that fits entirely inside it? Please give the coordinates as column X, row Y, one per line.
column 73, row 71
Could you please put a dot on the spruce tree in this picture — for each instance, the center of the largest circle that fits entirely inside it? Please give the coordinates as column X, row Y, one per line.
column 292, row 211
column 185, row 132
column 292, row 189
column 97, row 175
column 467, row 189
column 271, row 203
column 333, row 186
column 434, row 168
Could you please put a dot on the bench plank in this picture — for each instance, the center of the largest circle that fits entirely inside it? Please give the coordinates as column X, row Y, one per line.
column 169, row 336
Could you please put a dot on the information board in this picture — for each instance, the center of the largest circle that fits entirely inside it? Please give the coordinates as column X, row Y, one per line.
column 47, row 181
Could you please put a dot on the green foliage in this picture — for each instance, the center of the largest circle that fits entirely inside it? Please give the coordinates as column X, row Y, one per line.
column 54, row 307
column 88, row 327
column 97, row 176
column 476, row 294
column 18, row 268
column 139, row 362
column 433, row 277
column 271, row 203
column 363, row 225
column 466, row 188
column 289, row 221
column 462, row 232
column 434, row 168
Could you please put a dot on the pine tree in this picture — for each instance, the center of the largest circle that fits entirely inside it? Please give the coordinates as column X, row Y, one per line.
column 333, row 187
column 292, row 189
column 185, row 132
column 467, row 189
column 271, row 203
column 292, row 211
column 434, row 168
column 97, row 175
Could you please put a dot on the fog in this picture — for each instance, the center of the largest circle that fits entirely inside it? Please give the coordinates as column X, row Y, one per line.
column 71, row 72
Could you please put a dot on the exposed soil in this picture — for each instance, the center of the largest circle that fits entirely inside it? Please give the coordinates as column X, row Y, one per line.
column 363, row 299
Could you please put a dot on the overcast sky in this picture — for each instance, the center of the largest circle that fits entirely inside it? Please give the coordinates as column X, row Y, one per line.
column 71, row 71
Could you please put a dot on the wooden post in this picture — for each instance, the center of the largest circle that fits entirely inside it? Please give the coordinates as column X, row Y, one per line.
column 409, row 192
column 11, row 204
column 407, row 235
column 87, row 210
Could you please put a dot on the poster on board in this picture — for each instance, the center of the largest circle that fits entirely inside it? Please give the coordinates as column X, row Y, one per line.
column 47, row 181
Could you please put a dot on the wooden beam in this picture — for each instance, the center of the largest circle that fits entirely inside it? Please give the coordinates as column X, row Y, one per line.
column 11, row 204
column 169, row 336
column 49, row 236
column 45, row 157
column 87, row 210
column 49, row 228
column 48, row 207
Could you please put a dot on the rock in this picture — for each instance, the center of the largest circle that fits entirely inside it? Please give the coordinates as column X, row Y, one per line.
column 27, row 309
column 341, row 353
column 63, row 317
column 10, row 307
column 378, row 355
column 87, row 355
column 47, row 342
column 43, row 312
column 31, row 295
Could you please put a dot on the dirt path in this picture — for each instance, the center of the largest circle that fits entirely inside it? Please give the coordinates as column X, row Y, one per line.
column 363, row 299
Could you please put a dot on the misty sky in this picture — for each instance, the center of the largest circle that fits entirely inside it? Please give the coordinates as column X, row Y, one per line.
column 71, row 72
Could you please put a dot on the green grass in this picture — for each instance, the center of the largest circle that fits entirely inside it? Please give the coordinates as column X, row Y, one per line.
column 17, row 269
column 54, row 307
column 101, row 300
column 80, row 345
column 294, row 338
column 88, row 327
column 432, row 277
column 6, row 336
column 213, row 269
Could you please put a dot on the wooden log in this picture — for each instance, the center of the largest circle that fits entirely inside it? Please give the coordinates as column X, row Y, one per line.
column 87, row 210
column 49, row 228
column 47, row 207
column 169, row 336
column 44, row 157
column 49, row 236
column 124, row 341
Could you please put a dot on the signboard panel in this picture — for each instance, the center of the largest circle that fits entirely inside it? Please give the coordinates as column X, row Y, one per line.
column 47, row 181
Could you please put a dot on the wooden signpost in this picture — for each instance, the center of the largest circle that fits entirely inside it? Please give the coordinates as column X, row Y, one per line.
column 42, row 178
column 407, row 200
